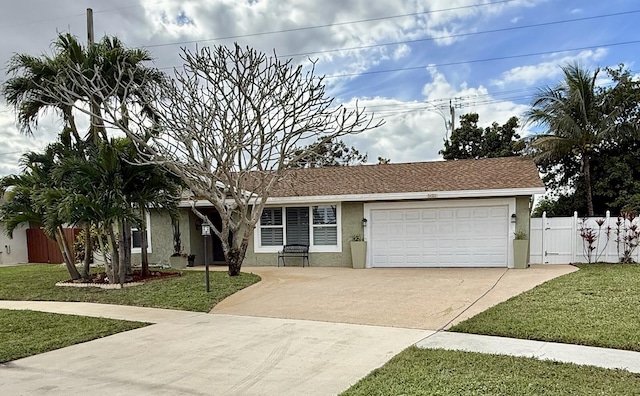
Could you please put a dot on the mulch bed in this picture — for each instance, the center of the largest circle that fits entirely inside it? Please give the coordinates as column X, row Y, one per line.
column 136, row 277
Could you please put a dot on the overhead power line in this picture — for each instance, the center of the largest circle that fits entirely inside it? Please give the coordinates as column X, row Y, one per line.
column 401, row 69
column 328, row 24
column 511, row 28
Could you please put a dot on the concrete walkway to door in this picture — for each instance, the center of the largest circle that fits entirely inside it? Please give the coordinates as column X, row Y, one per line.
column 418, row 298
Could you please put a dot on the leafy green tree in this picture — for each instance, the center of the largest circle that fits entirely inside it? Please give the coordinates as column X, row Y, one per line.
column 614, row 161
column 572, row 113
column 469, row 141
column 125, row 82
column 34, row 196
column 323, row 152
column 229, row 125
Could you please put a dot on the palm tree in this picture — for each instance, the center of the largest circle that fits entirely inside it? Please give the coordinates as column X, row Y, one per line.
column 576, row 124
column 37, row 81
column 36, row 197
column 31, row 89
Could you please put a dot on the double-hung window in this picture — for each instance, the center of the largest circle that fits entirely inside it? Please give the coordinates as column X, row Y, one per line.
column 316, row 225
column 136, row 237
column 325, row 225
column 271, row 227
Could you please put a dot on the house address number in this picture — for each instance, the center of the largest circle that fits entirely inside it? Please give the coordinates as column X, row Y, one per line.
column 431, row 196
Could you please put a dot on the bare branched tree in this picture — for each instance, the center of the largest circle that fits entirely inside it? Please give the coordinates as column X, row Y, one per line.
column 229, row 124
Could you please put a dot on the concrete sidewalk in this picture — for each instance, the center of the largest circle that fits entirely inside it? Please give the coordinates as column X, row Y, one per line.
column 121, row 312
column 204, row 354
column 568, row 353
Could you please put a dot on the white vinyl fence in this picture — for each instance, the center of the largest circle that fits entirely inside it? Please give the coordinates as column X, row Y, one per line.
column 557, row 240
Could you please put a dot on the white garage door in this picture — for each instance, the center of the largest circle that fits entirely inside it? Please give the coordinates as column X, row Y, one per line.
column 440, row 237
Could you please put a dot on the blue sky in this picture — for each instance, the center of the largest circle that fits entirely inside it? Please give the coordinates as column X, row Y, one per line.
column 404, row 60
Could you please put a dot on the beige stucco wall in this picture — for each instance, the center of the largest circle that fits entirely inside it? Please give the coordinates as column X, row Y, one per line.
column 523, row 214
column 523, row 219
column 191, row 236
column 161, row 242
column 352, row 213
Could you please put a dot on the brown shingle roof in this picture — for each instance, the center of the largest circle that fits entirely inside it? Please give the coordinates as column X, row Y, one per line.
column 481, row 174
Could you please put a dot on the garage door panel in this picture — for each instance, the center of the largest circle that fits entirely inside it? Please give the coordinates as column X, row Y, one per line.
column 429, row 214
column 465, row 229
column 445, row 214
column 499, row 212
column 444, row 237
column 413, row 229
column 412, row 215
column 446, row 228
column 429, row 229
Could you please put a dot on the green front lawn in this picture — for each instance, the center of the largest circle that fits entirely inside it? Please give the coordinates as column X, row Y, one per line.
column 418, row 371
column 598, row 305
column 26, row 333
column 187, row 292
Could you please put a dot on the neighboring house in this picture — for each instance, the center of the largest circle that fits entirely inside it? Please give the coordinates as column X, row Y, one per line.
column 459, row 213
column 13, row 250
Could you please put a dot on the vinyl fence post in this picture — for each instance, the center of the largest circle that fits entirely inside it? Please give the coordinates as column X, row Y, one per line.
column 544, row 247
column 574, row 237
column 606, row 225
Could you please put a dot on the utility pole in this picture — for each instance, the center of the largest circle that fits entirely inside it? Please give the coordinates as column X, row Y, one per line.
column 90, row 39
column 452, row 111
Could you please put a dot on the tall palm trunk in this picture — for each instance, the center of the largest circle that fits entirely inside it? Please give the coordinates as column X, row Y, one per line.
column 63, row 244
column 126, row 246
column 144, row 248
column 115, row 256
column 108, row 263
column 586, row 169
column 122, row 255
column 88, row 251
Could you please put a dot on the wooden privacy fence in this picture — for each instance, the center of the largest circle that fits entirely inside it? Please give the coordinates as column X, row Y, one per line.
column 41, row 249
column 557, row 240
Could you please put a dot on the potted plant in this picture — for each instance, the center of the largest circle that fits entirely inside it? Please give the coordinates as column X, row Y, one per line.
column 358, row 251
column 178, row 259
column 520, row 249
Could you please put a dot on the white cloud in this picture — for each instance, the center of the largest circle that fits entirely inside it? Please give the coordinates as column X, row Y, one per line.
column 531, row 74
column 415, row 130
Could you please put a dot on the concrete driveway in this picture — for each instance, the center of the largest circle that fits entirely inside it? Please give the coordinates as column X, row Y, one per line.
column 419, row 298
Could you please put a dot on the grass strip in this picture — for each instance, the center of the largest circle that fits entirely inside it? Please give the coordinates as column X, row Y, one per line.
column 27, row 333
column 598, row 306
column 187, row 292
column 422, row 372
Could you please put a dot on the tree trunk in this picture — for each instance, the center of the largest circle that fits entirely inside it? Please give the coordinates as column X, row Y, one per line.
column 63, row 244
column 586, row 168
column 122, row 254
column 235, row 257
column 88, row 251
column 126, row 231
column 115, row 256
column 108, row 263
column 144, row 253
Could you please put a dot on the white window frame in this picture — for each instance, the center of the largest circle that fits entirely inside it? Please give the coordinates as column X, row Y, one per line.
column 281, row 226
column 139, row 249
column 257, row 237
